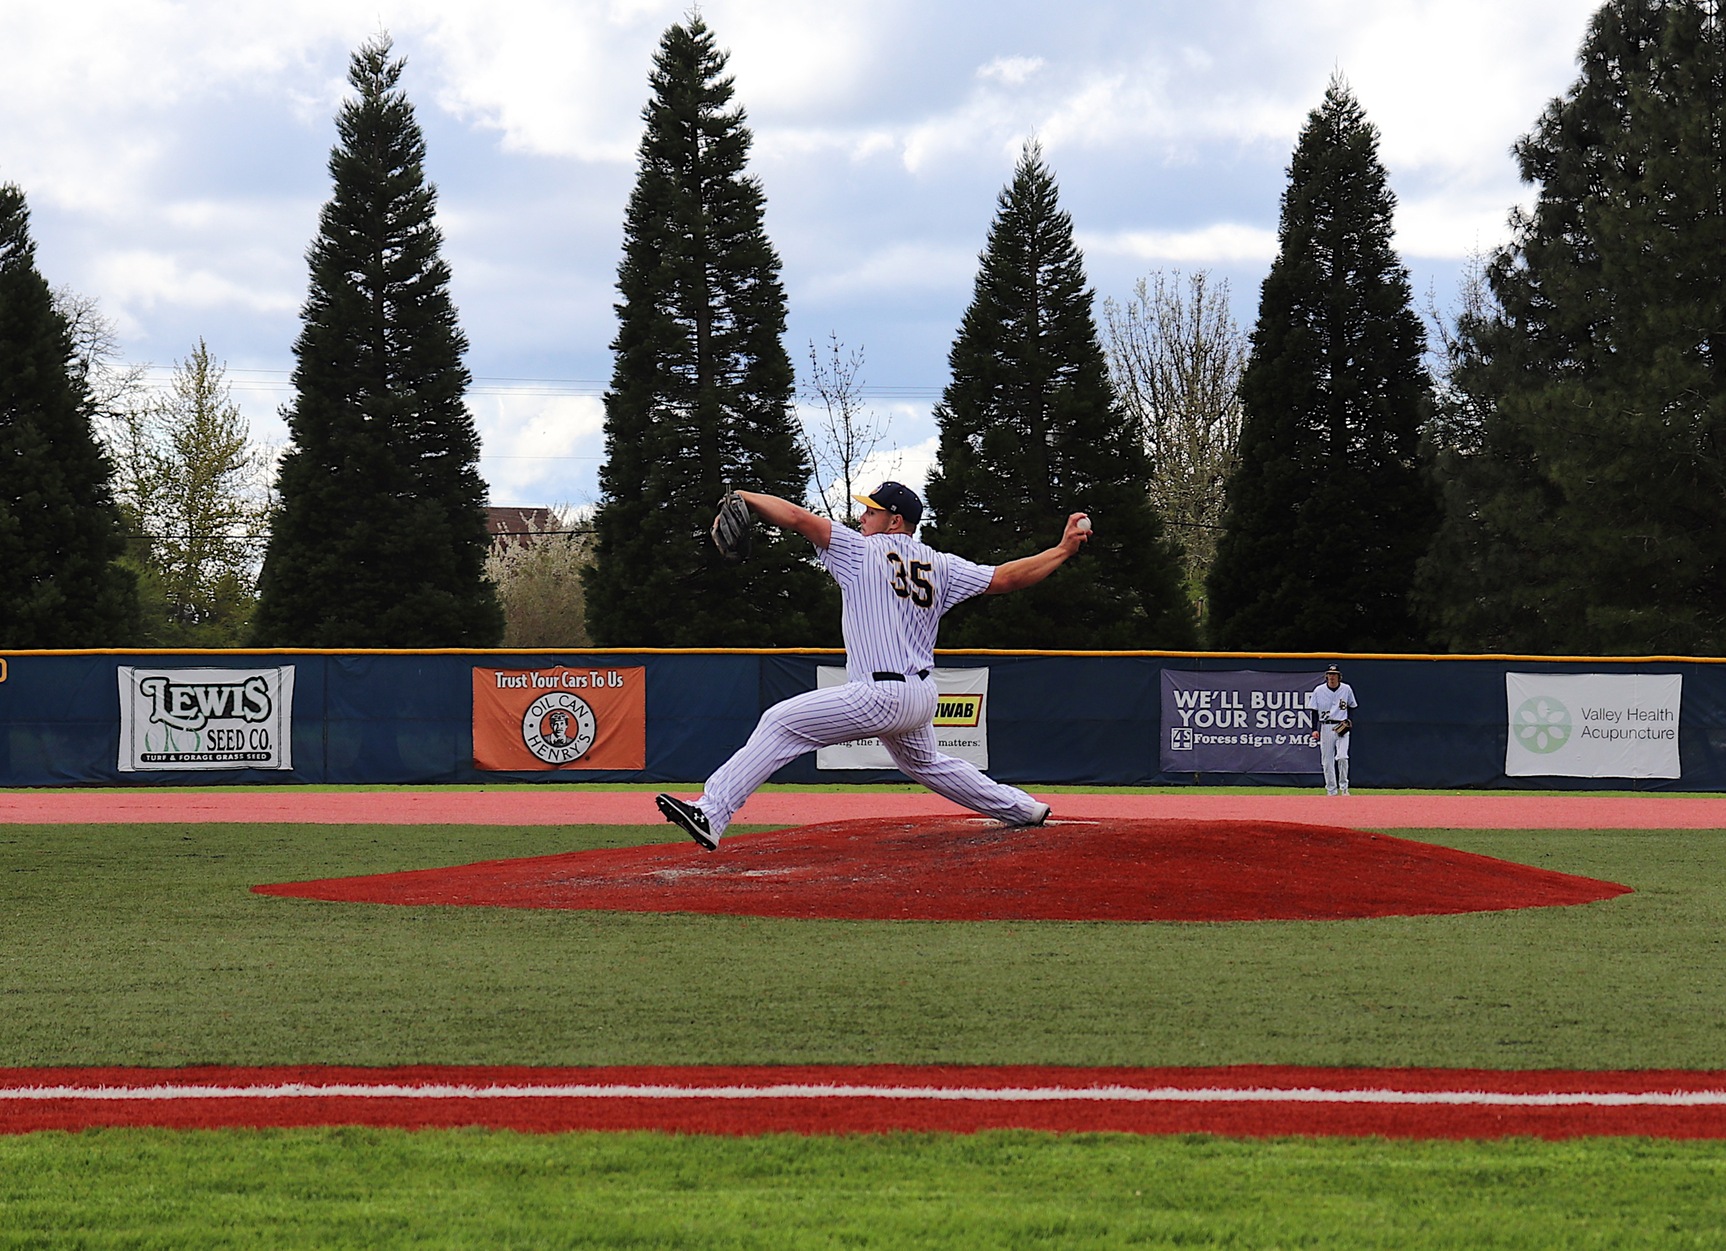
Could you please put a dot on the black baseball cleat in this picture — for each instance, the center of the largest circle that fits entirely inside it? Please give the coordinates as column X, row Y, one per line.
column 691, row 818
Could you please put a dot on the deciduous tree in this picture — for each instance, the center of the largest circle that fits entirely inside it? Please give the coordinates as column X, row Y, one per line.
column 1175, row 356
column 538, row 579
column 843, row 434
column 191, row 484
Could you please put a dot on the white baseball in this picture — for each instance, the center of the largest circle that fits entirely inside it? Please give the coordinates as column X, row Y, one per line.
column 1085, row 523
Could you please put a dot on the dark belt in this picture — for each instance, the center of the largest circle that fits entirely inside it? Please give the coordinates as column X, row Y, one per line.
column 896, row 677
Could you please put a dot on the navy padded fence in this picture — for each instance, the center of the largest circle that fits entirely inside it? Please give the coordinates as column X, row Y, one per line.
column 406, row 717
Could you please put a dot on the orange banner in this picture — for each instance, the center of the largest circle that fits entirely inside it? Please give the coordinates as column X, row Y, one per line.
column 526, row 719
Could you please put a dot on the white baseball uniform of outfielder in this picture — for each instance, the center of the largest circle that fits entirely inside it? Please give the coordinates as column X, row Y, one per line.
column 895, row 590
column 1332, row 707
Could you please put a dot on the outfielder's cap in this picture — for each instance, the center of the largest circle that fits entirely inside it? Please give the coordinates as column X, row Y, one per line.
column 897, row 498
column 1335, row 670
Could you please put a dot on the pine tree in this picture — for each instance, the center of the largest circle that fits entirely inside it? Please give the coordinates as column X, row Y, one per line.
column 1329, row 505
column 701, row 389
column 379, row 539
column 1583, row 503
column 1030, row 432
column 60, row 533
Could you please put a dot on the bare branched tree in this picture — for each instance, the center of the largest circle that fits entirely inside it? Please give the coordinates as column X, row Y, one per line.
column 538, row 579
column 115, row 387
column 1175, row 357
column 1460, row 412
column 845, row 434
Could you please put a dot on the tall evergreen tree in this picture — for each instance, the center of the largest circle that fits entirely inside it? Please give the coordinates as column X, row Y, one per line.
column 1329, row 505
column 379, row 539
column 1584, row 482
column 60, row 533
column 1030, row 431
column 701, row 388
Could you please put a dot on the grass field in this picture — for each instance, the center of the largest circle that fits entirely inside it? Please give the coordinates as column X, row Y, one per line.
column 144, row 945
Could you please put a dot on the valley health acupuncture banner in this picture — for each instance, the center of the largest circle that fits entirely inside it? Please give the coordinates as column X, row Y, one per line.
column 1238, row 721
column 1592, row 725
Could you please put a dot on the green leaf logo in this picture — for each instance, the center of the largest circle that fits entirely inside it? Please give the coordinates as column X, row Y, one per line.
column 1542, row 725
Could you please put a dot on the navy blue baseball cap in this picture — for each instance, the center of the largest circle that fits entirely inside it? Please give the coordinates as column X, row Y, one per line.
column 896, row 498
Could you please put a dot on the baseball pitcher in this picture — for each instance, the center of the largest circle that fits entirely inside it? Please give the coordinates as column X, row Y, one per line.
column 894, row 591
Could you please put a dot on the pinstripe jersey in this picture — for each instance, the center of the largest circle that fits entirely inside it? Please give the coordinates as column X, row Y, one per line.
column 895, row 591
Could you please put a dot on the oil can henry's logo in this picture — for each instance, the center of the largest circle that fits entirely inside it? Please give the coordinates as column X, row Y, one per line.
column 193, row 705
column 559, row 727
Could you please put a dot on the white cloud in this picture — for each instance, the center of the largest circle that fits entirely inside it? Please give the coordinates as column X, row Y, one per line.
column 1225, row 242
column 150, row 136
column 910, row 465
column 538, row 449
column 1451, row 227
column 140, row 280
column 1011, row 70
column 551, row 77
column 900, row 267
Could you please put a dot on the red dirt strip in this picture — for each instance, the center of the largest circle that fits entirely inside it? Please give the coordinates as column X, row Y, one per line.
column 1247, row 1100
column 585, row 805
column 973, row 869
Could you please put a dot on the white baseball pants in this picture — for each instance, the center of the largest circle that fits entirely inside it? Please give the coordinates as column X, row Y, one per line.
column 1333, row 753
column 900, row 714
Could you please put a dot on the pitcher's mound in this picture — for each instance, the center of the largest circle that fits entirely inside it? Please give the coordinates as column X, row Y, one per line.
column 971, row 869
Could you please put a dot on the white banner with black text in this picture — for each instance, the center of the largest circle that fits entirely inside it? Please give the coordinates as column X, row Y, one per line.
column 961, row 722
column 174, row 719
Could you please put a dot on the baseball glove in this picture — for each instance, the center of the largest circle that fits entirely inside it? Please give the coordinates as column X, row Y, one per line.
column 733, row 528
column 1343, row 727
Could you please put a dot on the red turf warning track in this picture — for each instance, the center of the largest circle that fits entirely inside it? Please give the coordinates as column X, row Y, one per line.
column 1254, row 1101
column 594, row 805
column 967, row 869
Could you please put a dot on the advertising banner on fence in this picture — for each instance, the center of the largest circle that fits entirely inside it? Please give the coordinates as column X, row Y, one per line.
column 174, row 719
column 1238, row 721
column 1592, row 725
column 529, row 719
column 961, row 722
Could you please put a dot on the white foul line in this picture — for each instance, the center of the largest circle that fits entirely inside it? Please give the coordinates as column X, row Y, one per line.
column 1032, row 1094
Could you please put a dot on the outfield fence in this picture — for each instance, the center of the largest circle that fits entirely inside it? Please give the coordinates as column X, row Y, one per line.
column 1115, row 718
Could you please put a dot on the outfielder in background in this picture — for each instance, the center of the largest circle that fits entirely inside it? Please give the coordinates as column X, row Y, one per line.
column 1333, row 704
column 894, row 591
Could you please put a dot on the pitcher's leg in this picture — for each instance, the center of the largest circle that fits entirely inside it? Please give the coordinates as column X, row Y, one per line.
column 917, row 757
column 786, row 731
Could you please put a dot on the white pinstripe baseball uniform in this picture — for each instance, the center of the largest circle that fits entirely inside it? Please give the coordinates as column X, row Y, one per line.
column 895, row 590
column 1331, row 706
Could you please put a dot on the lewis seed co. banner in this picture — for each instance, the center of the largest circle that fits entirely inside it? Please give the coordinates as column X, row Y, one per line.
column 531, row 719
column 172, row 719
column 1238, row 721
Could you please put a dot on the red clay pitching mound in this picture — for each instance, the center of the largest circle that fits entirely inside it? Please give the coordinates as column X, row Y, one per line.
column 966, row 869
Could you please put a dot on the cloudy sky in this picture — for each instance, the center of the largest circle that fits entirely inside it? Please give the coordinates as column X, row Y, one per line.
column 174, row 156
